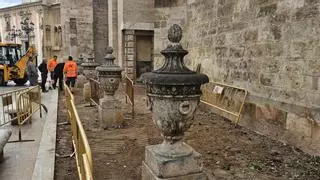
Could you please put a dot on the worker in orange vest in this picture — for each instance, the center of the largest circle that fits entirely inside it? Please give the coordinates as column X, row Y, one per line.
column 71, row 72
column 52, row 63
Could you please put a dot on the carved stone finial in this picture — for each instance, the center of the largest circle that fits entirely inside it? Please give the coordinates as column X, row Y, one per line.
column 90, row 57
column 109, row 50
column 175, row 33
column 109, row 58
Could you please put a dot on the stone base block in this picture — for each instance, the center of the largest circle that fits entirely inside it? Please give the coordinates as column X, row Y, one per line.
column 81, row 80
column 156, row 166
column 87, row 92
column 147, row 174
column 110, row 112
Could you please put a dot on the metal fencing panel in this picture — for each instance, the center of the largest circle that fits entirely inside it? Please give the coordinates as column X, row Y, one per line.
column 19, row 106
column 8, row 101
column 95, row 92
column 80, row 142
column 129, row 90
column 227, row 100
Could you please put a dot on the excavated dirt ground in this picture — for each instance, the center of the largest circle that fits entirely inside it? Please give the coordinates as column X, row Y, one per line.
column 229, row 152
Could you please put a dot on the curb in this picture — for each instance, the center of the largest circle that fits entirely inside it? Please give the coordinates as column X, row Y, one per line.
column 44, row 166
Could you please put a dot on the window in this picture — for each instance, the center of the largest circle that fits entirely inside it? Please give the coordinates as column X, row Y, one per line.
column 8, row 24
column 73, row 25
column 9, row 55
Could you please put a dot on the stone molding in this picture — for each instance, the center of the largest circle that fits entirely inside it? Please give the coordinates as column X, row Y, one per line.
column 22, row 6
column 138, row 26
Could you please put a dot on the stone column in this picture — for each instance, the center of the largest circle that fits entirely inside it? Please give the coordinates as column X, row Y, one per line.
column 110, row 113
column 173, row 96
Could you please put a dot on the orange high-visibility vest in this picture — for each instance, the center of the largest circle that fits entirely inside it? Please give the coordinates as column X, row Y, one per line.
column 70, row 69
column 52, row 64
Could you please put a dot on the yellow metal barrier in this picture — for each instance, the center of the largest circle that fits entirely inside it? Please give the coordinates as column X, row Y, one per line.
column 129, row 92
column 79, row 139
column 224, row 98
column 9, row 106
column 20, row 106
column 29, row 102
column 95, row 91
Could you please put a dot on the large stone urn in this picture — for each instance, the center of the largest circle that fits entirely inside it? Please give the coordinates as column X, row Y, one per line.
column 89, row 67
column 109, row 74
column 173, row 96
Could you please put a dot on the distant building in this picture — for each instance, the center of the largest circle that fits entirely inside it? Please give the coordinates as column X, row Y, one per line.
column 11, row 18
column 61, row 27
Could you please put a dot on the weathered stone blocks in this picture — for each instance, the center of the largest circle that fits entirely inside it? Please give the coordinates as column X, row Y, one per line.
column 110, row 113
column 157, row 167
column 299, row 125
column 81, row 80
column 87, row 91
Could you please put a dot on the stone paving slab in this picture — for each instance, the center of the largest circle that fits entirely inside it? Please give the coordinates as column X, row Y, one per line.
column 26, row 160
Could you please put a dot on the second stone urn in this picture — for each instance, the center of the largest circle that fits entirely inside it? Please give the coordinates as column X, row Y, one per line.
column 88, row 67
column 109, row 75
column 173, row 96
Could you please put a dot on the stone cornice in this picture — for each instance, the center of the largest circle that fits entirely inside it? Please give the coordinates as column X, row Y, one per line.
column 54, row 4
column 21, row 6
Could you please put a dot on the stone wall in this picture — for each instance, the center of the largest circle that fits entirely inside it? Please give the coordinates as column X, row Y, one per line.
column 166, row 14
column 138, row 14
column 77, row 23
column 52, row 30
column 268, row 47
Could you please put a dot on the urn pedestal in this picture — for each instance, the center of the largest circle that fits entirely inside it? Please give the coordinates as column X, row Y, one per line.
column 173, row 96
column 110, row 112
column 157, row 167
column 81, row 79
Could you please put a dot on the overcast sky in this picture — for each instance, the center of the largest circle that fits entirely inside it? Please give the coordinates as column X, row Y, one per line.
column 7, row 3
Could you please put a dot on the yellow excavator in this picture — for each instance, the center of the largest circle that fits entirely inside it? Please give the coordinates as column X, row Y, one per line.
column 13, row 65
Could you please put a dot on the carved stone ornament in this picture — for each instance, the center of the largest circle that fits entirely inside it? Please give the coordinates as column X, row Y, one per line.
column 109, row 74
column 48, row 28
column 173, row 96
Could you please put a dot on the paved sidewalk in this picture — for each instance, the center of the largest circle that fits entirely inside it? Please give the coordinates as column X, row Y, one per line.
column 33, row 160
